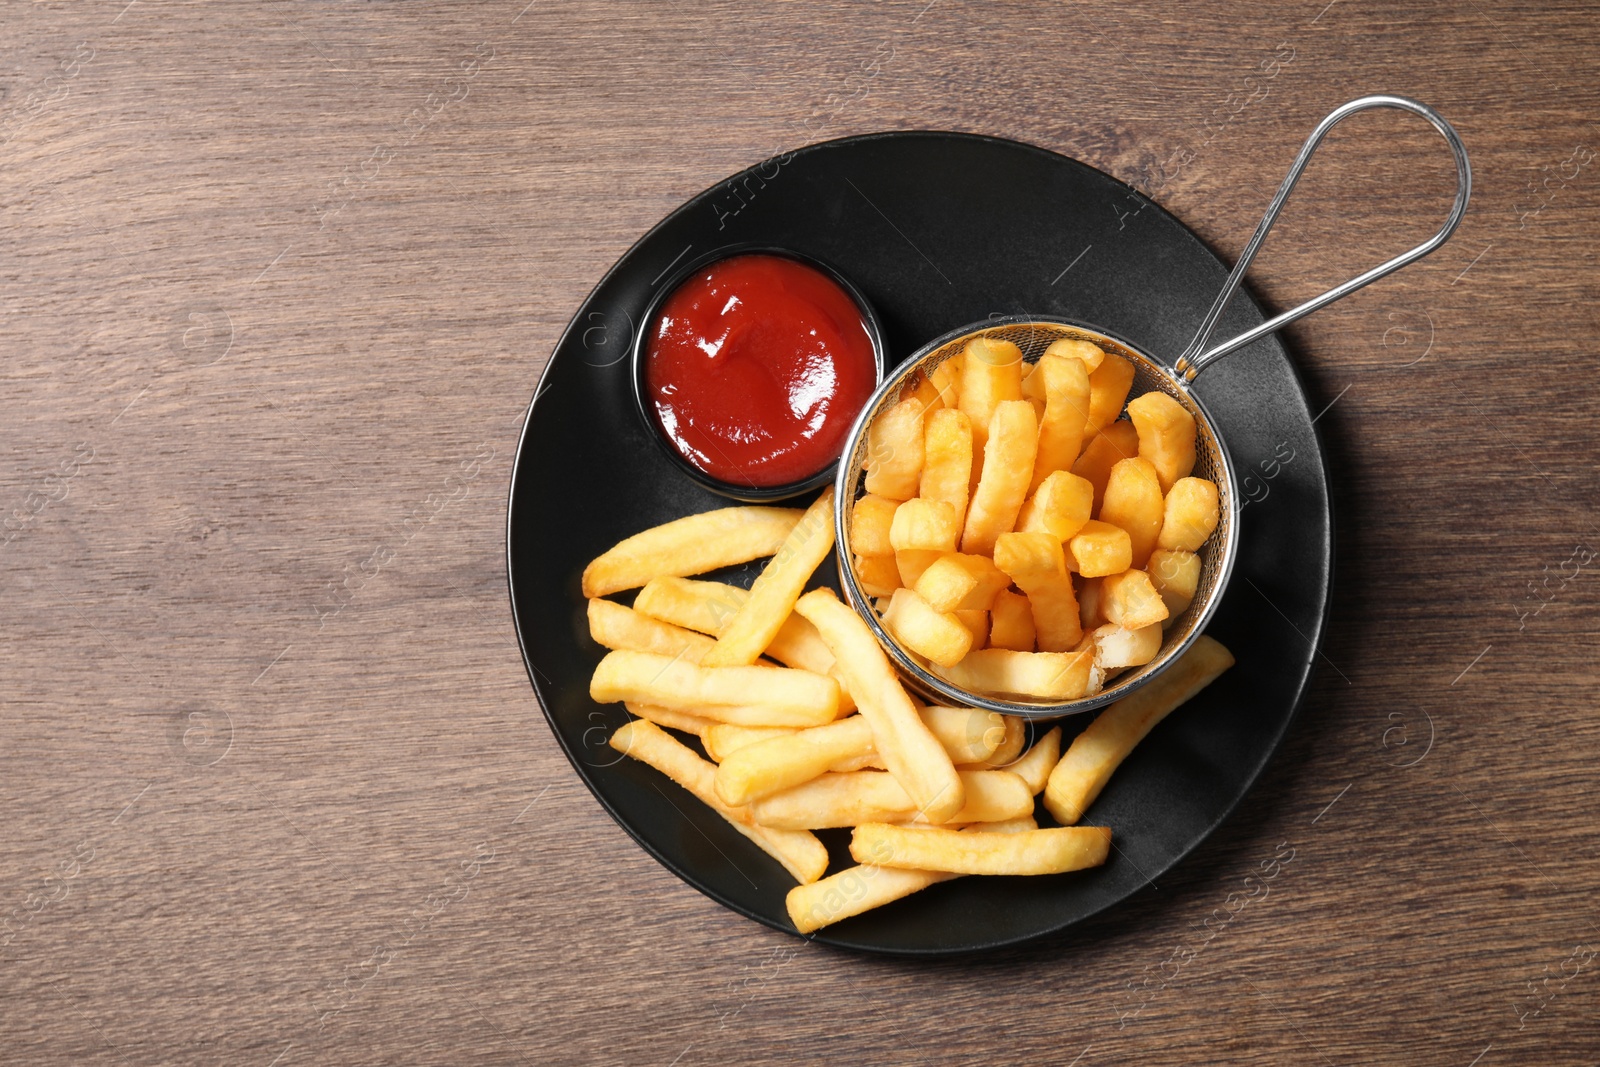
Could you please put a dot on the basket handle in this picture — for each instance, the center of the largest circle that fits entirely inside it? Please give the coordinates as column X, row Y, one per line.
column 1196, row 357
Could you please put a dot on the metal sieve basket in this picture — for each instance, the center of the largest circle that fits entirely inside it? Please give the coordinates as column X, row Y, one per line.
column 1034, row 334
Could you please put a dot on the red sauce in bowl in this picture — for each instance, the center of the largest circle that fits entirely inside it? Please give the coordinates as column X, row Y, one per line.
column 756, row 366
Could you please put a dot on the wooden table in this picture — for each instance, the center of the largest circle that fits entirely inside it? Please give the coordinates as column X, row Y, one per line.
column 278, row 282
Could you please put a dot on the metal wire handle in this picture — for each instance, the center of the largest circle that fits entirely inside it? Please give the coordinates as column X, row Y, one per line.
column 1195, row 358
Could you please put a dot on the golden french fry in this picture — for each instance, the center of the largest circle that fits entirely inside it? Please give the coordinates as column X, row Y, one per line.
column 1011, row 622
column 691, row 545
column 1175, row 575
column 976, row 622
column 1130, row 600
column 870, row 519
column 946, row 377
column 967, row 734
column 923, row 530
column 1013, row 735
column 991, row 374
column 1166, row 435
column 1087, row 353
column 878, row 575
column 751, row 696
column 1036, row 564
column 1115, row 443
column 1116, row 647
column 772, row 766
column 1060, row 505
column 702, row 606
column 1191, row 513
column 1083, row 772
column 1133, row 501
column 1108, row 391
column 1062, row 383
column 947, row 459
column 671, row 718
column 1100, row 549
column 946, row 583
column 859, row 889
column 1007, row 469
column 923, row 389
column 834, row 800
column 1057, row 676
column 799, row 851
column 722, row 739
column 894, row 451
column 1034, row 768
column 1052, row 851
column 615, row 626
column 776, row 588
column 938, row 636
column 909, row 749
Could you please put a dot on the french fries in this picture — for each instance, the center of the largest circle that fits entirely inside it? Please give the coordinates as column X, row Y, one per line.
column 1166, row 435
column 910, row 751
column 1059, row 387
column 750, row 696
column 775, row 590
column 833, row 800
column 1034, row 768
column 1132, row 501
column 991, row 374
column 947, row 459
column 691, row 545
column 768, row 767
column 1053, row 676
column 1007, row 470
column 1051, row 851
column 1101, row 748
column 940, row 637
column 617, row 627
column 894, row 451
column 799, row 851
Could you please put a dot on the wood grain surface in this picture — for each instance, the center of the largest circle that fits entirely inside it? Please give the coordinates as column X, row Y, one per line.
column 278, row 280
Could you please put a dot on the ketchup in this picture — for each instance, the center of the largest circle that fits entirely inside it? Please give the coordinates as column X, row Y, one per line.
column 757, row 366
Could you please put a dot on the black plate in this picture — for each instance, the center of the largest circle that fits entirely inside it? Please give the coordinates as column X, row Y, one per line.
column 938, row 230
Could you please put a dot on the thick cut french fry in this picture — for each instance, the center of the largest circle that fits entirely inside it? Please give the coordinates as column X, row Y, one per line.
column 1115, row 443
column 909, row 749
column 772, row 766
column 1133, row 501
column 1130, row 601
column 1108, row 391
column 691, row 545
column 1083, row 772
column 834, row 800
column 763, row 696
column 1014, row 734
column 924, row 390
column 1058, row 676
column 977, row 622
column 776, row 588
column 1100, row 549
column 947, row 459
column 1007, row 470
column 799, row 851
column 894, row 451
column 870, row 519
column 1036, row 564
column 1191, row 513
column 1166, row 435
column 1011, row 622
column 946, row 583
column 722, row 739
column 938, row 636
column 1060, row 505
column 878, row 575
column 1052, row 851
column 991, row 374
column 946, row 378
column 1176, row 576
column 1115, row 647
column 923, row 530
column 615, row 626
column 1034, row 768
column 1086, row 352
column 862, row 888
column 671, row 718
column 1062, row 384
